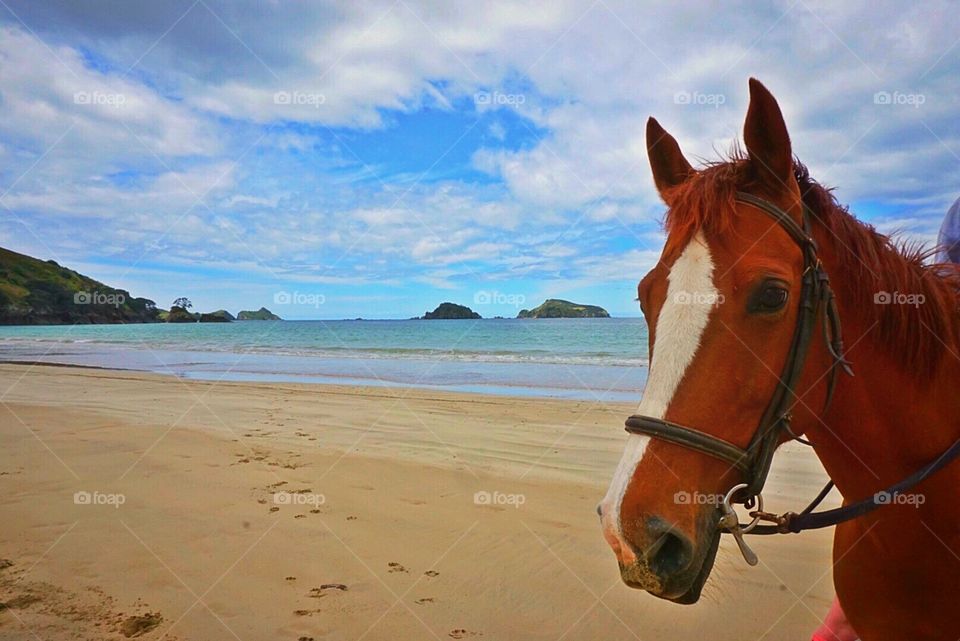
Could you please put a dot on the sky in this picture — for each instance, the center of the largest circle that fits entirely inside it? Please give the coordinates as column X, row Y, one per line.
column 373, row 159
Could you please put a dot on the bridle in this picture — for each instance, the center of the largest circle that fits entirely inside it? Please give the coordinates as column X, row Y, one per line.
column 817, row 305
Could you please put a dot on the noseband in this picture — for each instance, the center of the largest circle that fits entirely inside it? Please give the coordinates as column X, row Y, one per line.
column 753, row 463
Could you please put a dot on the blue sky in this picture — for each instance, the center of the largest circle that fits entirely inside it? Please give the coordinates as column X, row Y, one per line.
column 375, row 159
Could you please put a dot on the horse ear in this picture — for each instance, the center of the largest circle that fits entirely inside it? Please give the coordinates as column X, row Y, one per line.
column 669, row 166
column 765, row 133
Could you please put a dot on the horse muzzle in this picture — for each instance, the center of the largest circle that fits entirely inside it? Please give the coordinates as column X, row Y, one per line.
column 665, row 562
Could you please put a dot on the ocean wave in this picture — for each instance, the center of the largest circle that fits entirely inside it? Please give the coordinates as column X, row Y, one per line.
column 533, row 356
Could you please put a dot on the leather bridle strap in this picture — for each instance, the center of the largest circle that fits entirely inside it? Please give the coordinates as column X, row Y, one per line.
column 690, row 438
column 791, row 522
column 800, row 235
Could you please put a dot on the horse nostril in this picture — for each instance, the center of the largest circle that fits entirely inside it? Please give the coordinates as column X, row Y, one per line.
column 671, row 551
column 599, row 510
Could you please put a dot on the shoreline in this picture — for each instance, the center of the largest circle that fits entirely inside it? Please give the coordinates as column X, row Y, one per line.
column 615, row 382
column 200, row 466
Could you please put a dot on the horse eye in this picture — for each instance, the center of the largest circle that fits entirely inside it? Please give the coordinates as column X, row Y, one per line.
column 771, row 298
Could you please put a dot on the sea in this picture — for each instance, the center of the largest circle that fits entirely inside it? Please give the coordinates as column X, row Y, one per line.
column 595, row 359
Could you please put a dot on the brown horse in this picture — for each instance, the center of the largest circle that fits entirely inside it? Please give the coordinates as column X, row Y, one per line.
column 722, row 306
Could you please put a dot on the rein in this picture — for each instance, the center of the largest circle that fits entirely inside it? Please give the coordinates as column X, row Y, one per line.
column 816, row 300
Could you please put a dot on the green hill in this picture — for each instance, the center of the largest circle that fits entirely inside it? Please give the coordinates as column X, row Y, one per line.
column 180, row 315
column 448, row 311
column 556, row 308
column 261, row 314
column 219, row 316
column 36, row 292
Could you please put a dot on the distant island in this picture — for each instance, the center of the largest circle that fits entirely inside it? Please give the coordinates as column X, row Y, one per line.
column 179, row 314
column 448, row 311
column 219, row 316
column 261, row 314
column 37, row 292
column 556, row 308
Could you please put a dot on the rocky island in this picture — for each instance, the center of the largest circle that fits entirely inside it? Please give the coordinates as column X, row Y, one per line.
column 179, row 314
column 261, row 314
column 448, row 311
column 219, row 316
column 556, row 308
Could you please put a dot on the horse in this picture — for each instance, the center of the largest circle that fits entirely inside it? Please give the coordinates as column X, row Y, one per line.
column 746, row 239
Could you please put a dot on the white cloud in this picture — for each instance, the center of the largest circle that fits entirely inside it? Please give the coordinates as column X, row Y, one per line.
column 201, row 112
column 50, row 91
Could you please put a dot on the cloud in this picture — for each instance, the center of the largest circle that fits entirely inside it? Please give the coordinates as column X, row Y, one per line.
column 51, row 97
column 294, row 123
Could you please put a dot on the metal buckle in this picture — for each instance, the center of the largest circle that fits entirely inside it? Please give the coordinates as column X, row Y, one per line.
column 730, row 522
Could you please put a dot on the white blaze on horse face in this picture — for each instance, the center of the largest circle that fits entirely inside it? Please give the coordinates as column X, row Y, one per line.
column 691, row 295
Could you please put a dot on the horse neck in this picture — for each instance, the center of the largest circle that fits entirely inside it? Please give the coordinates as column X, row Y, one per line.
column 887, row 420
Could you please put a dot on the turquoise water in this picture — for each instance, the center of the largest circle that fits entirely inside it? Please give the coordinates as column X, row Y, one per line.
column 603, row 359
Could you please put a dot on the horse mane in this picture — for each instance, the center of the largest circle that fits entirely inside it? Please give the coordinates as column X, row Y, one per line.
column 869, row 262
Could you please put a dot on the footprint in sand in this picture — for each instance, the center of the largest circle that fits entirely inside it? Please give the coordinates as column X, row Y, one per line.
column 290, row 578
column 19, row 602
column 300, row 516
column 351, row 518
column 431, row 573
column 305, row 613
column 317, row 593
column 134, row 626
column 396, row 567
column 424, row 600
column 460, row 633
column 274, row 509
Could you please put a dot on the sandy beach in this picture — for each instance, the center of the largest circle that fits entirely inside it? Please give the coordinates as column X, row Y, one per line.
column 275, row 511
